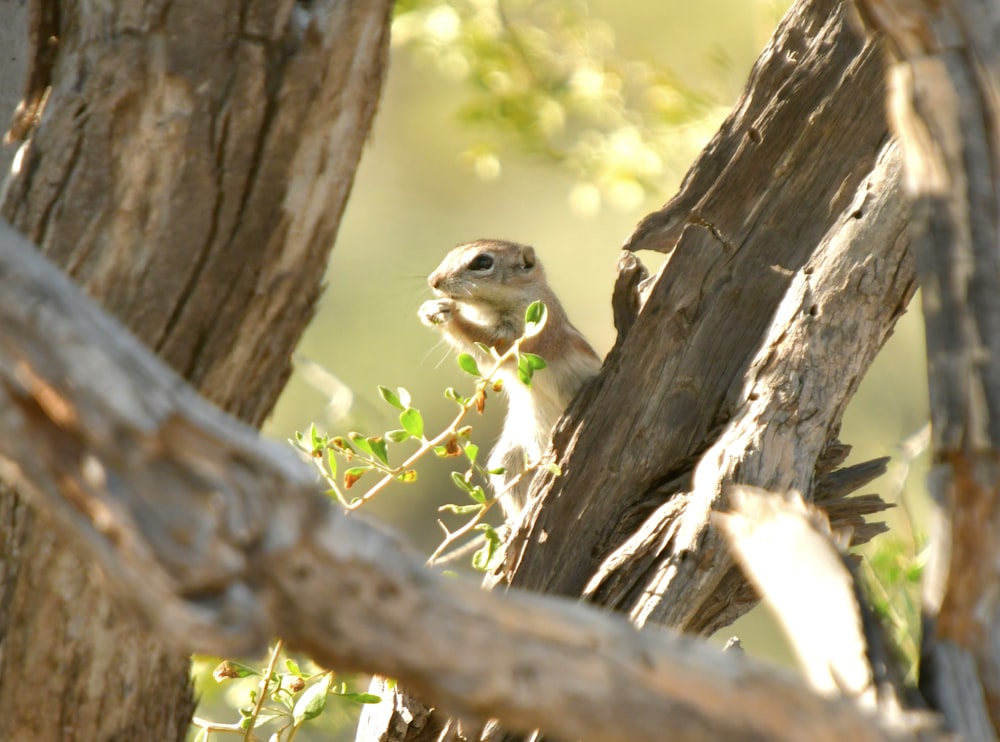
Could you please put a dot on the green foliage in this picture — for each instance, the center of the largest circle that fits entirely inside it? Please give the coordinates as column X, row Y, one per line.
column 268, row 703
column 893, row 570
column 490, row 555
column 367, row 454
column 544, row 76
column 285, row 701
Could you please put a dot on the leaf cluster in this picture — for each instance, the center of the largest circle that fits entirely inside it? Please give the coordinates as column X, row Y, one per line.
column 544, row 77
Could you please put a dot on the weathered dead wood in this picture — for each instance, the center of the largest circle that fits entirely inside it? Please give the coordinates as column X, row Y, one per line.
column 812, row 594
column 189, row 167
column 217, row 540
column 788, row 268
column 836, row 314
column 817, row 598
column 945, row 103
column 787, row 271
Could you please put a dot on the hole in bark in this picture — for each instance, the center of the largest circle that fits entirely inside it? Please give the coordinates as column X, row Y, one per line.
column 814, row 310
column 754, row 135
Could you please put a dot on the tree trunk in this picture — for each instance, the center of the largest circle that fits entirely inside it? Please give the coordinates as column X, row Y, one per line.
column 745, row 231
column 788, row 268
column 944, row 101
column 218, row 539
column 188, row 165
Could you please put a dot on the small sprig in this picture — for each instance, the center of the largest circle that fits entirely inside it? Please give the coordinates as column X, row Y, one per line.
column 371, row 453
column 286, row 698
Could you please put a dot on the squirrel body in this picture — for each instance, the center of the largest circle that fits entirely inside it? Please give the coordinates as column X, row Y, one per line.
column 484, row 289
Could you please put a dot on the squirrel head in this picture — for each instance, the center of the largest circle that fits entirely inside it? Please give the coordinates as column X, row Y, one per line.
column 494, row 273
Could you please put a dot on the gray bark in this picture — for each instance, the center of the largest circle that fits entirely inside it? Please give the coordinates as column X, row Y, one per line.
column 187, row 163
column 13, row 65
column 944, row 101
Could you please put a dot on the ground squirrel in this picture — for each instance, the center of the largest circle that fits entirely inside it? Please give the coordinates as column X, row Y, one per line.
column 484, row 289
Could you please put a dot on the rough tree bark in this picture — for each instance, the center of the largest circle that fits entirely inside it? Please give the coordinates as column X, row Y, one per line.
column 945, row 100
column 744, row 235
column 788, row 268
column 217, row 540
column 187, row 163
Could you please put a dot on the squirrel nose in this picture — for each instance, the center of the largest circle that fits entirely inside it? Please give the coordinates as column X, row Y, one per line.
column 434, row 280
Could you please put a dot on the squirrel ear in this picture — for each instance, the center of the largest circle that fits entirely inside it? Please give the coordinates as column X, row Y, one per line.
column 528, row 258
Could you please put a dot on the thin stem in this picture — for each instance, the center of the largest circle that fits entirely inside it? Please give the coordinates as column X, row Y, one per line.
column 213, row 726
column 272, row 663
column 341, row 497
column 427, row 445
column 453, row 536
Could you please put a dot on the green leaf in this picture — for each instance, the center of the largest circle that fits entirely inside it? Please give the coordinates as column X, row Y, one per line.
column 316, row 439
column 379, row 448
column 361, row 442
column 497, row 470
column 471, row 451
column 489, row 556
column 524, row 370
column 331, row 462
column 397, row 436
column 404, row 396
column 455, row 397
column 534, row 319
column 460, row 509
column 391, row 397
column 340, row 443
column 554, row 469
column 468, row 364
column 478, row 494
column 459, row 479
column 361, row 697
column 535, row 361
column 410, row 475
column 202, row 735
column 312, row 701
column 412, row 422
column 293, row 667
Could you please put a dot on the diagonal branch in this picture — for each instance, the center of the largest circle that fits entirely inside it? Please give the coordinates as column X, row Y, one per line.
column 217, row 539
column 788, row 268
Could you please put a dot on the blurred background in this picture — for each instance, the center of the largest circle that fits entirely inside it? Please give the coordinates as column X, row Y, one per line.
column 570, row 174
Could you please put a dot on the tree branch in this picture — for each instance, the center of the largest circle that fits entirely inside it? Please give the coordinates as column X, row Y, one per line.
column 945, row 101
column 218, row 539
column 780, row 288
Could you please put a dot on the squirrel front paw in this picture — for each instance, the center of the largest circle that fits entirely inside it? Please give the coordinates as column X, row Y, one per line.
column 436, row 312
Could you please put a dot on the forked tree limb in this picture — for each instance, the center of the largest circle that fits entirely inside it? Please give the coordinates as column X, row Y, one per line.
column 788, row 268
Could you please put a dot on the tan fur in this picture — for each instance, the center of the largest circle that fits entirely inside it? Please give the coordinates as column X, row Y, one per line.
column 479, row 304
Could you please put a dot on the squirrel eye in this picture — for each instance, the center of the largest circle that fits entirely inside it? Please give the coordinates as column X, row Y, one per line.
column 482, row 262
